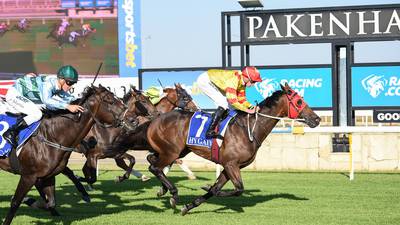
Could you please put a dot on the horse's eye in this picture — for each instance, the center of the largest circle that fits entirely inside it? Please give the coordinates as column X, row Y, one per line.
column 299, row 102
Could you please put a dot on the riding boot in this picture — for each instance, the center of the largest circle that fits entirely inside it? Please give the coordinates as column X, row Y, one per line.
column 215, row 120
column 11, row 135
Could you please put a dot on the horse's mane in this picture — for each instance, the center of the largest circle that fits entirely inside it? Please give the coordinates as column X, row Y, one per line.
column 272, row 100
column 127, row 96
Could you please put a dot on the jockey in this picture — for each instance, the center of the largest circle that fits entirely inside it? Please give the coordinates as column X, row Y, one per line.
column 228, row 87
column 154, row 94
column 51, row 91
column 3, row 26
column 73, row 35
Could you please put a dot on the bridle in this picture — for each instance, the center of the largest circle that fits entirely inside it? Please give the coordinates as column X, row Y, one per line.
column 117, row 120
column 296, row 104
column 182, row 100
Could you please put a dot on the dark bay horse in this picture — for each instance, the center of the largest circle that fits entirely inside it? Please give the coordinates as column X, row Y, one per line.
column 120, row 143
column 138, row 104
column 167, row 137
column 47, row 152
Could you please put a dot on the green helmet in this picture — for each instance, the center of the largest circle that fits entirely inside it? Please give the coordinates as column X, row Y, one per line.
column 68, row 73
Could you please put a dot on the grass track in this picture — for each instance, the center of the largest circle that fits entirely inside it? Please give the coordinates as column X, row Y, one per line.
column 269, row 198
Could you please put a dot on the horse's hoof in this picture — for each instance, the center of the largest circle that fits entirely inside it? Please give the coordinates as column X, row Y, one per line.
column 161, row 192
column 118, row 179
column 172, row 201
column 86, row 198
column 184, row 210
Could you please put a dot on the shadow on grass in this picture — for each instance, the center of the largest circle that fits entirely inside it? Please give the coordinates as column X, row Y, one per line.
column 106, row 200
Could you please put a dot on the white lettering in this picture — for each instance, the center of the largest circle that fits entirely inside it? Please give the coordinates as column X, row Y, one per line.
column 344, row 28
column 291, row 26
column 271, row 26
column 251, row 25
column 314, row 24
column 374, row 21
column 394, row 20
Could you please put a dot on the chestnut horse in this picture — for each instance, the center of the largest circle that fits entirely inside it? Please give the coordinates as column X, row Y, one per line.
column 167, row 137
column 46, row 154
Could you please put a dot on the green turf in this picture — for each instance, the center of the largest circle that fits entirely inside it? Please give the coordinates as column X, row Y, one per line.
column 269, row 198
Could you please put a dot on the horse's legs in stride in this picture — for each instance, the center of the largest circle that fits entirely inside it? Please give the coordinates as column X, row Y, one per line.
column 46, row 190
column 24, row 185
column 213, row 191
column 156, row 166
column 121, row 163
column 70, row 174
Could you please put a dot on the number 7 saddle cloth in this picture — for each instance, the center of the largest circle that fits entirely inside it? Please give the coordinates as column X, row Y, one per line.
column 199, row 124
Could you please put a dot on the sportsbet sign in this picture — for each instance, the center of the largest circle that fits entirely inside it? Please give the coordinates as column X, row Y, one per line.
column 376, row 86
column 314, row 84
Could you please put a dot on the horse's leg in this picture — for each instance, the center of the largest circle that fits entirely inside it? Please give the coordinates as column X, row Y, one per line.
column 156, row 166
column 70, row 174
column 49, row 190
column 24, row 185
column 121, row 163
column 89, row 170
column 213, row 191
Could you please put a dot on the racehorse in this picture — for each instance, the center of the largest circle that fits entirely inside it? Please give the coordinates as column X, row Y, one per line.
column 47, row 152
column 22, row 26
column 137, row 104
column 167, row 137
column 120, row 143
column 4, row 28
column 173, row 98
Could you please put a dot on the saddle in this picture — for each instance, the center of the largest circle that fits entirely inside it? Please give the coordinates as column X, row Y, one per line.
column 198, row 126
column 7, row 120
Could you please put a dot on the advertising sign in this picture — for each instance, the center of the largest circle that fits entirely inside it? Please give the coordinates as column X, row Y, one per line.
column 314, row 84
column 68, row 3
column 318, row 24
column 86, row 3
column 103, row 3
column 386, row 116
column 130, row 49
column 375, row 86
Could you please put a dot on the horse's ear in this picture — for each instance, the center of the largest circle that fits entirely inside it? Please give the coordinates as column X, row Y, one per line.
column 282, row 87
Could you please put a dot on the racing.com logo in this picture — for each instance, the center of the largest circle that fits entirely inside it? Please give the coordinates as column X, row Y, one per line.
column 374, row 84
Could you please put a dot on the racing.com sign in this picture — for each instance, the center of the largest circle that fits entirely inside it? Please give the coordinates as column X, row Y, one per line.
column 376, row 86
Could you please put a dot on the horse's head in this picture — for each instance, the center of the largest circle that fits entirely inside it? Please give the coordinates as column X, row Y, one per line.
column 297, row 108
column 139, row 103
column 179, row 97
column 104, row 106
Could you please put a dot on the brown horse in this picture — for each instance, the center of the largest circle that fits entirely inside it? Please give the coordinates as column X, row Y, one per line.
column 138, row 104
column 167, row 136
column 173, row 98
column 46, row 154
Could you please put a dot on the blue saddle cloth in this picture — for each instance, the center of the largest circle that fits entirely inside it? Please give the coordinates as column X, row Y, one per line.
column 5, row 123
column 199, row 124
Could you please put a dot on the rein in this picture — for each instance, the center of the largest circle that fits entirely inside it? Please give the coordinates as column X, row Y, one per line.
column 296, row 104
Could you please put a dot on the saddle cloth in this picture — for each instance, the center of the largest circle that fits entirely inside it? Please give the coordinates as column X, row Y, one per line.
column 6, row 122
column 199, row 124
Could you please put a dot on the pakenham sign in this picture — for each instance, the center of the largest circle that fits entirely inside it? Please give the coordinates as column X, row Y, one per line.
column 272, row 26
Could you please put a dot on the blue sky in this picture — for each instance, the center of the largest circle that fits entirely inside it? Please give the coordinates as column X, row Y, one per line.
column 186, row 33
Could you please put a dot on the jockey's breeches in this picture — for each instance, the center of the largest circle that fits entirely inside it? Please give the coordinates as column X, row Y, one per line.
column 23, row 105
column 209, row 89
